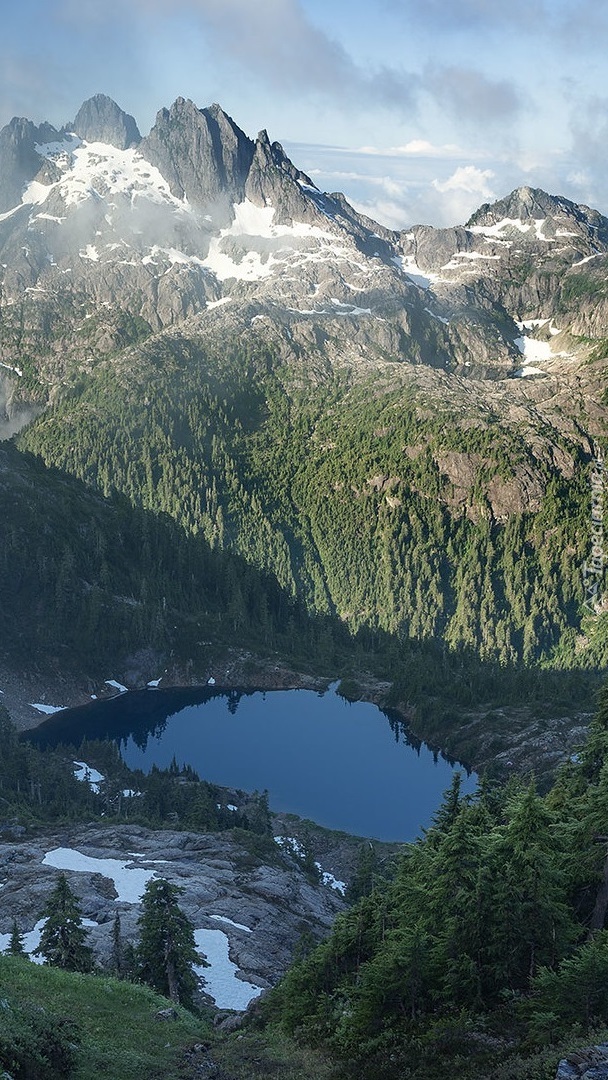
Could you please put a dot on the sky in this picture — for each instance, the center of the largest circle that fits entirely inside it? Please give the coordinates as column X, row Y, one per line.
column 418, row 110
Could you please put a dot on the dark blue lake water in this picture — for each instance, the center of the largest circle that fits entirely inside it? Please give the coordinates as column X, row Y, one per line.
column 344, row 765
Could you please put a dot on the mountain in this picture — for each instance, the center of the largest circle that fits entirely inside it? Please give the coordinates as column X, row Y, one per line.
column 197, row 219
column 249, row 429
column 196, row 213
column 395, row 429
column 101, row 120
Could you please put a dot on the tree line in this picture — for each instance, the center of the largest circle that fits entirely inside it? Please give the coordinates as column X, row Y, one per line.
column 162, row 956
column 39, row 786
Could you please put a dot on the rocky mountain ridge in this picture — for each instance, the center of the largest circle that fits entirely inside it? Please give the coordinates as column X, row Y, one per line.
column 197, row 219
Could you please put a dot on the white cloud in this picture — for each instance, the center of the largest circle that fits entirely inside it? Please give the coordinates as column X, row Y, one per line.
column 427, row 201
column 414, row 148
column 468, row 179
column 464, row 191
column 387, row 212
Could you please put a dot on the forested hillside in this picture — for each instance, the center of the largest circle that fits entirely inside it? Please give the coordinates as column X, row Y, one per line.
column 348, row 493
column 484, row 954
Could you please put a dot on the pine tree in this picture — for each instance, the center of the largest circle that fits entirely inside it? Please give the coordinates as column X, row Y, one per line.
column 15, row 945
column 62, row 939
column 117, row 949
column 166, row 949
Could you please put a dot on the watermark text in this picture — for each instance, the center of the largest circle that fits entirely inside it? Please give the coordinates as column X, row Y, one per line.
column 593, row 569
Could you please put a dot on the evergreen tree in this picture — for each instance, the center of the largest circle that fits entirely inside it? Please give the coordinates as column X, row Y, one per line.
column 166, row 949
column 117, row 949
column 15, row 945
column 62, row 942
column 575, row 993
column 365, row 874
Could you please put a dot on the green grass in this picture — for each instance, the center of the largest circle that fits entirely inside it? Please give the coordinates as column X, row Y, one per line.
column 251, row 1055
column 117, row 1032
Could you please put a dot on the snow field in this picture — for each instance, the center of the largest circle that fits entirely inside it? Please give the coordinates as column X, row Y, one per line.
column 88, row 775
column 129, row 882
column 221, row 977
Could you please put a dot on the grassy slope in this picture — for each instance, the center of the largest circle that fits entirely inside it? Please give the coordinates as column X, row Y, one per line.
column 119, row 1035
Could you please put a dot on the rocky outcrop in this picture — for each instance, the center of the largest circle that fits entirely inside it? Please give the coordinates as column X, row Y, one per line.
column 202, row 154
column 590, row 1064
column 101, row 120
column 527, row 205
column 274, row 181
column 19, row 160
column 263, row 907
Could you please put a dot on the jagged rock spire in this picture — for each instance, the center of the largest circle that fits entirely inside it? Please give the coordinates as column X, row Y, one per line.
column 101, row 120
column 19, row 162
column 202, row 153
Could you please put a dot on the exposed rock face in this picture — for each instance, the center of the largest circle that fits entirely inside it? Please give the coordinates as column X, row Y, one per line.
column 19, row 161
column 527, row 205
column 591, row 1064
column 262, row 908
column 273, row 181
column 202, row 154
column 101, row 120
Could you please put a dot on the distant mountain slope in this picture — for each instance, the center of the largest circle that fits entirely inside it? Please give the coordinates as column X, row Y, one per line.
column 395, row 429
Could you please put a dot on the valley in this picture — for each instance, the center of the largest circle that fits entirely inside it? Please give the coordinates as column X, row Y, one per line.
column 253, row 436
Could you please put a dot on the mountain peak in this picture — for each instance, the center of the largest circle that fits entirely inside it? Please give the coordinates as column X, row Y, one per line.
column 100, row 119
column 19, row 161
column 547, row 215
column 202, row 153
column 523, row 204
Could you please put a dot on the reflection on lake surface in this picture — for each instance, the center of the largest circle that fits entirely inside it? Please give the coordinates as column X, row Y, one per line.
column 344, row 765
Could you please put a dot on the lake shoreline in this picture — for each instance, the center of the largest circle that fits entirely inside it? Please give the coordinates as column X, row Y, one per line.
column 515, row 739
column 344, row 764
column 73, row 689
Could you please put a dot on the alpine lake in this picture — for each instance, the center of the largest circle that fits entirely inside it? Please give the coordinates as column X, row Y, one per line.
column 344, row 765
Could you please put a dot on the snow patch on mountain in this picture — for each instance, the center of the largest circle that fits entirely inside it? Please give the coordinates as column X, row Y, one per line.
column 536, row 226
column 408, row 266
column 230, row 922
column 36, row 193
column 129, row 882
column 467, row 256
column 533, row 351
column 94, row 170
column 253, row 246
column 31, row 941
column 19, row 372
column 581, row 262
column 172, row 255
column 221, row 979
column 60, row 151
column 88, row 775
